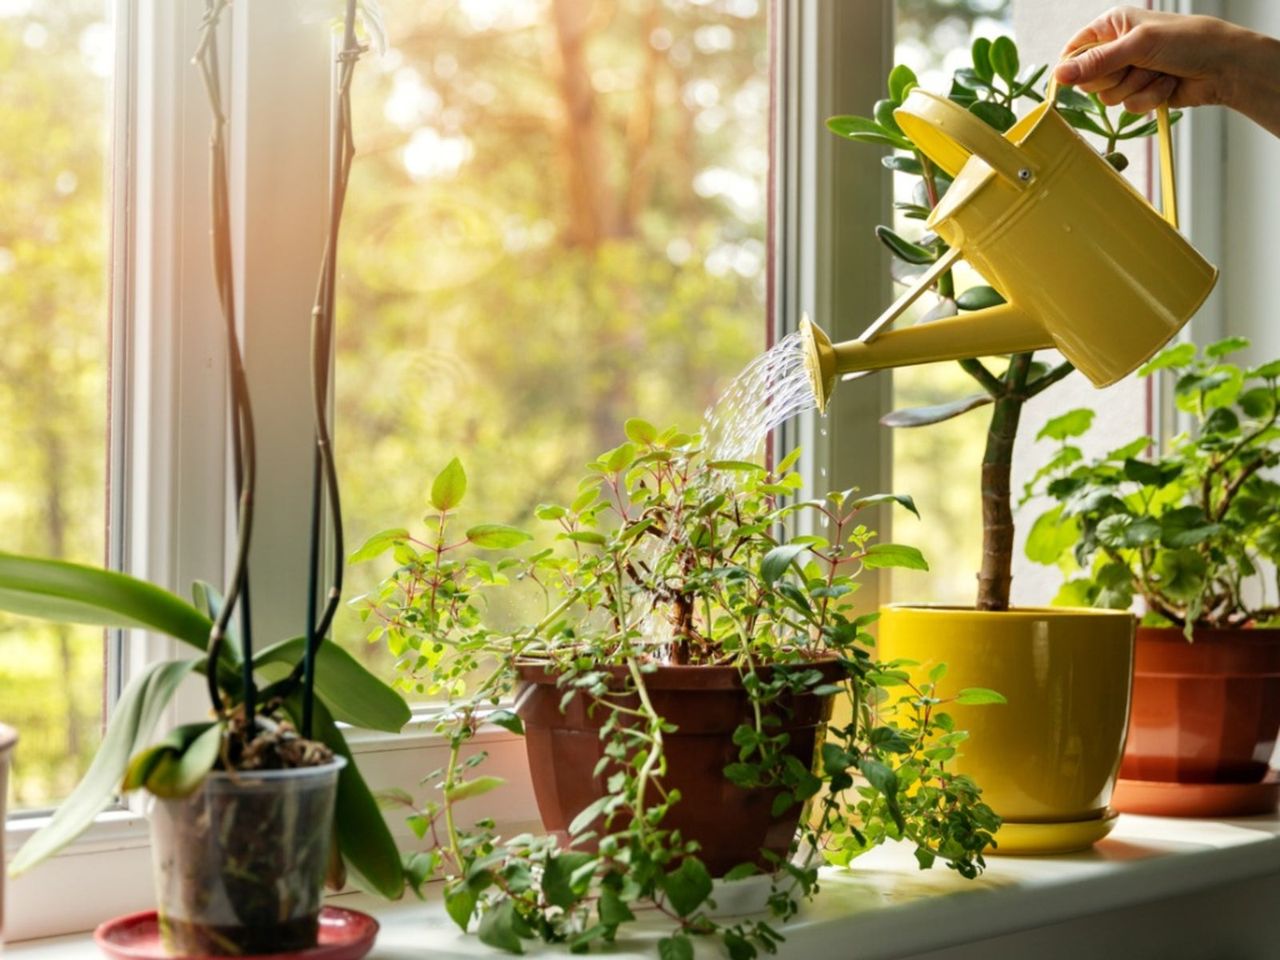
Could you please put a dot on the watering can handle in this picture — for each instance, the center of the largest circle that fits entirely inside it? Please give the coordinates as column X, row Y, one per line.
column 1168, row 191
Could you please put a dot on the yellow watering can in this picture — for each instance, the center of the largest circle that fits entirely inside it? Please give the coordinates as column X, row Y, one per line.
column 1085, row 264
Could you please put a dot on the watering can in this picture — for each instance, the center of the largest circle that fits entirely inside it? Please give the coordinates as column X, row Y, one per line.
column 1083, row 261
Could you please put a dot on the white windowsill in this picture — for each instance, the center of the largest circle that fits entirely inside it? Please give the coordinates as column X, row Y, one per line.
column 886, row 908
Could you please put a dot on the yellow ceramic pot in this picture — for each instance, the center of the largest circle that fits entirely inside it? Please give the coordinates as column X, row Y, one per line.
column 1047, row 760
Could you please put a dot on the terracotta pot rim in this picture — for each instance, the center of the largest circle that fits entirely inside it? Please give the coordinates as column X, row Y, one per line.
column 679, row 676
column 1215, row 635
column 8, row 737
column 941, row 610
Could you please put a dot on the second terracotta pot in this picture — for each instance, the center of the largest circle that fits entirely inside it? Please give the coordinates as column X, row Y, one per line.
column 1205, row 711
column 706, row 704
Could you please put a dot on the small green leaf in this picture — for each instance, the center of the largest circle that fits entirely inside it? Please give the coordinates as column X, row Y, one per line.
column 883, row 112
column 586, row 536
column 460, row 903
column 507, row 720
column 903, row 164
column 688, row 886
column 497, row 536
column 866, row 130
column 1178, row 355
column 1186, row 526
column 882, row 555
column 978, row 696
column 588, row 815
column 1119, row 162
column 902, row 499
column 379, row 544
column 613, row 910
column 1072, row 424
column 449, row 487
column 1004, row 58
column 498, row 927
column 1180, row 573
column 640, row 431
column 473, row 788
column 675, row 947
column 1229, row 345
column 1051, row 536
column 776, row 561
column 619, row 458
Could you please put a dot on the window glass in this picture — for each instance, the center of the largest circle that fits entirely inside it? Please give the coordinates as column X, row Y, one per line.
column 557, row 221
column 56, row 59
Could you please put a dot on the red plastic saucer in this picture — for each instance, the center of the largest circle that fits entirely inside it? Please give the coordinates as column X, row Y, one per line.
column 1205, row 800
column 344, row 935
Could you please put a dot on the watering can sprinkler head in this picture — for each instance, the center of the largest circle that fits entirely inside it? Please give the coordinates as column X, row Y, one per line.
column 819, row 361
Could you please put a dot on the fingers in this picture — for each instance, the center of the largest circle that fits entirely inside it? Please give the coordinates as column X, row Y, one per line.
column 1105, row 61
column 1156, row 92
column 1117, row 90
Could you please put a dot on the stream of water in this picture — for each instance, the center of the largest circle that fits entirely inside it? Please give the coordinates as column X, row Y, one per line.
column 773, row 388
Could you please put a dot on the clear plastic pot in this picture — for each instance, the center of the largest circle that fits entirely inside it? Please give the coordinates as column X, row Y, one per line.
column 240, row 864
column 7, row 739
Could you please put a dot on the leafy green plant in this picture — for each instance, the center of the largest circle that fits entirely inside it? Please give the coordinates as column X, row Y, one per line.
column 1185, row 530
column 301, row 684
column 990, row 89
column 665, row 557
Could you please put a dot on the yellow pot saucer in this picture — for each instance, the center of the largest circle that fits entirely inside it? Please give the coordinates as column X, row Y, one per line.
column 1046, row 839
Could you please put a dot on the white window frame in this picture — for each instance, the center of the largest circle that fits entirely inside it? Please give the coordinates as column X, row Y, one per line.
column 171, row 480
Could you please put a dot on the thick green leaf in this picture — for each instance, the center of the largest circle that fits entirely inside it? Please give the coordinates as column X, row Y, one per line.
column 979, row 298
column 74, row 593
column 497, row 536
column 640, row 431
column 1004, row 58
column 994, row 114
column 379, row 544
column 1186, row 526
column 880, row 555
column 923, row 416
column 1074, row 423
column 977, row 696
column 363, row 837
column 132, row 721
column 904, row 249
column 1081, row 120
column 449, row 486
column 866, row 130
column 903, row 164
column 883, row 112
column 981, row 55
column 348, row 689
column 901, row 79
column 1151, row 474
column 687, row 887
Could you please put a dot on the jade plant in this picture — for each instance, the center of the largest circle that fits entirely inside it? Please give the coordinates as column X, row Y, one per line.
column 1186, row 529
column 667, row 557
column 992, row 88
column 271, row 706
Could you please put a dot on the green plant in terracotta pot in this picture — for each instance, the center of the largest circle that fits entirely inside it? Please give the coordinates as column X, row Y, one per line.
column 1193, row 533
column 676, row 695
column 1060, row 799
column 255, row 806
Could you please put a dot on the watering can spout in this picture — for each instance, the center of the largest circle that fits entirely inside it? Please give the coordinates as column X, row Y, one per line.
column 1001, row 329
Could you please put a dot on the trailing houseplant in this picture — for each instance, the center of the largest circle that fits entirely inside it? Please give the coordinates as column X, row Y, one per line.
column 1193, row 533
column 234, row 873
column 676, row 697
column 991, row 89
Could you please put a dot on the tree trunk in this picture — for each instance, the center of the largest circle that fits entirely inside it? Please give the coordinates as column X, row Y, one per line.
column 996, row 576
column 593, row 213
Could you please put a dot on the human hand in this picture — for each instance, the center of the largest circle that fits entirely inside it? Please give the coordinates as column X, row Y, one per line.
column 1145, row 58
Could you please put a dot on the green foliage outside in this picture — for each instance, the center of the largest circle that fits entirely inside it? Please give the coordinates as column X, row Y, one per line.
column 53, row 369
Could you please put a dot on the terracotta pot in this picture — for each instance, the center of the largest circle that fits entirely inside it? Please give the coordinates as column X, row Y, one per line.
column 7, row 739
column 1205, row 711
column 1046, row 760
column 732, row 825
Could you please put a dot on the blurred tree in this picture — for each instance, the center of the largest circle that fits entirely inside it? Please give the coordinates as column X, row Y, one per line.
column 53, row 326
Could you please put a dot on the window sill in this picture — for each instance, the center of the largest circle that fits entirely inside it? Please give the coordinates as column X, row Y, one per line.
column 1156, row 887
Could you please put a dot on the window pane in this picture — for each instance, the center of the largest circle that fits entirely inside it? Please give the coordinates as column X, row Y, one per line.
column 55, row 67
column 557, row 222
column 940, row 465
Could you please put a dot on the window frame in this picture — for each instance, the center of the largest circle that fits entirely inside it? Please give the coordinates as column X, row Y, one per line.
column 170, row 486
